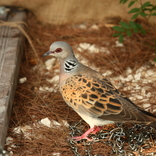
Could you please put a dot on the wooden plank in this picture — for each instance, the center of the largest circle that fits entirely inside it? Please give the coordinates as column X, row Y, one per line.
column 11, row 41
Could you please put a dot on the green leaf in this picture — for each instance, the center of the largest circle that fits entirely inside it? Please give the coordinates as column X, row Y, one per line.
column 154, row 14
column 123, row 1
column 120, row 2
column 125, row 25
column 143, row 14
column 136, row 30
column 143, row 31
column 147, row 9
column 139, row 26
column 129, row 33
column 121, row 38
column 145, row 5
column 154, row 59
column 154, row 7
column 134, row 10
column 133, row 24
column 117, row 28
column 116, row 34
column 135, row 16
column 131, row 3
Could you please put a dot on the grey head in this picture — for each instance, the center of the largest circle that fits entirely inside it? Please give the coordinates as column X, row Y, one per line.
column 64, row 53
column 60, row 49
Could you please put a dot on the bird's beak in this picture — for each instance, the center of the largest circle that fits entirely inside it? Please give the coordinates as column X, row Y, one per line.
column 47, row 53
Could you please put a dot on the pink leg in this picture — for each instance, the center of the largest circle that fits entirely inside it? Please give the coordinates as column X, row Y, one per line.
column 93, row 130
column 96, row 129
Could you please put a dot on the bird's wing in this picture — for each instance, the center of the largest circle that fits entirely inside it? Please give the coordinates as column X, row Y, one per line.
column 99, row 98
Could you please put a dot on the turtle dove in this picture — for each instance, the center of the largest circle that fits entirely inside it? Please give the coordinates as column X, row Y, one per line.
column 92, row 96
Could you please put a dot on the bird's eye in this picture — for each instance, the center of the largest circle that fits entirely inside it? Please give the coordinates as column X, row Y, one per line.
column 58, row 50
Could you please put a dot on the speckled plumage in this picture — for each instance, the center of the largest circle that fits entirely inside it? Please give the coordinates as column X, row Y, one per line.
column 91, row 95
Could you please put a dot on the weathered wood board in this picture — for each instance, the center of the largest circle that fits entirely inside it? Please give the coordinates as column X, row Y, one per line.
column 11, row 48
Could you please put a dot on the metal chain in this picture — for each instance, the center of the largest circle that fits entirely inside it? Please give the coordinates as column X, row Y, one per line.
column 123, row 140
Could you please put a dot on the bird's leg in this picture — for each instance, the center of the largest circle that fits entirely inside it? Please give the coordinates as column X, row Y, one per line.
column 96, row 129
column 93, row 130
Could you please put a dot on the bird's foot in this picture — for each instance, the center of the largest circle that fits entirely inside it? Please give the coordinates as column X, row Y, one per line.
column 93, row 130
column 78, row 138
column 96, row 129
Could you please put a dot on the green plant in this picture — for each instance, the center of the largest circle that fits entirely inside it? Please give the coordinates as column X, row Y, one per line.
column 145, row 10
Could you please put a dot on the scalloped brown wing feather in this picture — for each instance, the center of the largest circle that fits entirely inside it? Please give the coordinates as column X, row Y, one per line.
column 99, row 98
column 95, row 98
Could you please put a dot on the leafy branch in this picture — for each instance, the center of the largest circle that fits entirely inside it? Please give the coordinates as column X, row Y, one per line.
column 145, row 10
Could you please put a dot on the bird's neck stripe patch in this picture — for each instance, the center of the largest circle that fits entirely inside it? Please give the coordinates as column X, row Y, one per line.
column 69, row 65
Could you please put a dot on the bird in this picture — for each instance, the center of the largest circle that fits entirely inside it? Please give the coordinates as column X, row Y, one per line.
column 92, row 95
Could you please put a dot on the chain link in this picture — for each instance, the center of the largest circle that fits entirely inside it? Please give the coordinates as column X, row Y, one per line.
column 124, row 140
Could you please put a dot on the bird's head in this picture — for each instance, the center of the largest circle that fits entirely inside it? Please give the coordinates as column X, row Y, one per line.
column 60, row 50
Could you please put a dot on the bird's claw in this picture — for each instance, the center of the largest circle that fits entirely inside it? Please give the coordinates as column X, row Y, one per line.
column 79, row 138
